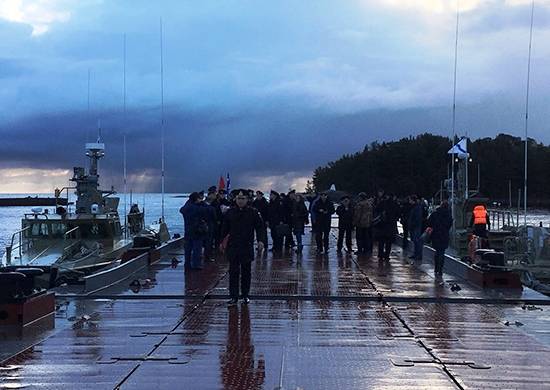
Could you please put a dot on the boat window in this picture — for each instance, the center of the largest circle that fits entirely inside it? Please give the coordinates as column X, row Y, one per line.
column 58, row 230
column 39, row 230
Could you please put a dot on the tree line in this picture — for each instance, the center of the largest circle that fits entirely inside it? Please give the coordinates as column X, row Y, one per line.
column 418, row 165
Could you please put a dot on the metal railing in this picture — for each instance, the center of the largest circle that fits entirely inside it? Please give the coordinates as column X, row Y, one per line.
column 70, row 231
column 501, row 219
column 9, row 249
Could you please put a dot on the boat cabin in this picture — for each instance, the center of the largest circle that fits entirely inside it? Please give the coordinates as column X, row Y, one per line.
column 35, row 226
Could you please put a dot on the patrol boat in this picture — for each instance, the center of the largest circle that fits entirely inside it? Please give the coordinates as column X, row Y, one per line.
column 71, row 244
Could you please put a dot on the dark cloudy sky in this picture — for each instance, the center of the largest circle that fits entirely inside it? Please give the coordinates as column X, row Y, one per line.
column 265, row 90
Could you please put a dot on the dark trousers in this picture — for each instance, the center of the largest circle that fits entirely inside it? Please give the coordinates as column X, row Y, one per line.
column 416, row 237
column 405, row 235
column 384, row 247
column 439, row 260
column 480, row 230
column 321, row 236
column 209, row 246
column 277, row 240
column 239, row 269
column 196, row 253
column 344, row 231
column 363, row 236
column 289, row 240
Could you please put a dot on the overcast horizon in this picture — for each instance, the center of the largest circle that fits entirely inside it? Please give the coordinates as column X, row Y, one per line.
column 266, row 91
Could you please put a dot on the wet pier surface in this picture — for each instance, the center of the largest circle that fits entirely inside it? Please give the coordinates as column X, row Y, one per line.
column 330, row 322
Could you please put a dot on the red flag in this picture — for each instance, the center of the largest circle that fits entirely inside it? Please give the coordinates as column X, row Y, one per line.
column 221, row 184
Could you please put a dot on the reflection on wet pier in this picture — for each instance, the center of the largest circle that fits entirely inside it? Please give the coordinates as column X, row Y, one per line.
column 338, row 321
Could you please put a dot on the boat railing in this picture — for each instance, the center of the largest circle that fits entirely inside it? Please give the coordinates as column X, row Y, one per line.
column 20, row 243
column 69, row 232
column 502, row 219
column 68, row 250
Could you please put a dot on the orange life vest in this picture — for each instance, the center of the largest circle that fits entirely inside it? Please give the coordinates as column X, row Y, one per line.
column 480, row 215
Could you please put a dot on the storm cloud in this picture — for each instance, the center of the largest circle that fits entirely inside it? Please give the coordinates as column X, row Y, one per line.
column 267, row 91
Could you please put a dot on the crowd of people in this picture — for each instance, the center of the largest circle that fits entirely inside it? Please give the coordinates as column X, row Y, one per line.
column 220, row 222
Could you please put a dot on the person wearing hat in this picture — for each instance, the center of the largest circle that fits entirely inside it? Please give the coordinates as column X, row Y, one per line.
column 345, row 223
column 323, row 210
column 240, row 223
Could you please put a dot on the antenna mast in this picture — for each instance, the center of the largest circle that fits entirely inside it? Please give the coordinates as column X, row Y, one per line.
column 124, row 138
column 454, row 117
column 162, row 120
column 527, row 112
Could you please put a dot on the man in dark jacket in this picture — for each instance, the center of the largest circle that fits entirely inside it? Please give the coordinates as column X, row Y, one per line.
column 345, row 223
column 387, row 214
column 416, row 217
column 260, row 204
column 287, row 200
column 240, row 223
column 299, row 220
column 276, row 219
column 440, row 222
column 405, row 206
column 323, row 210
column 196, row 218
column 213, row 224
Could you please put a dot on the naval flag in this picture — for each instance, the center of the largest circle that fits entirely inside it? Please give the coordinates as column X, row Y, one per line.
column 460, row 149
column 221, row 183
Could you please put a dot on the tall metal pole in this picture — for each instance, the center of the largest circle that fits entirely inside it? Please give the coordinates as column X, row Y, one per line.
column 124, row 140
column 510, row 193
column 162, row 118
column 454, row 117
column 527, row 112
column 478, row 177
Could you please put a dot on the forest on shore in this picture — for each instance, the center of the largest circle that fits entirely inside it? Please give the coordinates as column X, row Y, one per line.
column 417, row 165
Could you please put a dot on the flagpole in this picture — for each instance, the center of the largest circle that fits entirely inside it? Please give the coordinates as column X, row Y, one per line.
column 527, row 112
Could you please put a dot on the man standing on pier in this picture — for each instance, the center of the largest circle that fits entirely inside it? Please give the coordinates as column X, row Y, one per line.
column 440, row 222
column 238, row 228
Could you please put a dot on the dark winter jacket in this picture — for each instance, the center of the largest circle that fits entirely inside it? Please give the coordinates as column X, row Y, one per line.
column 276, row 212
column 323, row 211
column 263, row 208
column 299, row 216
column 441, row 222
column 241, row 224
column 416, row 217
column 387, row 213
column 405, row 213
column 196, row 217
column 345, row 216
